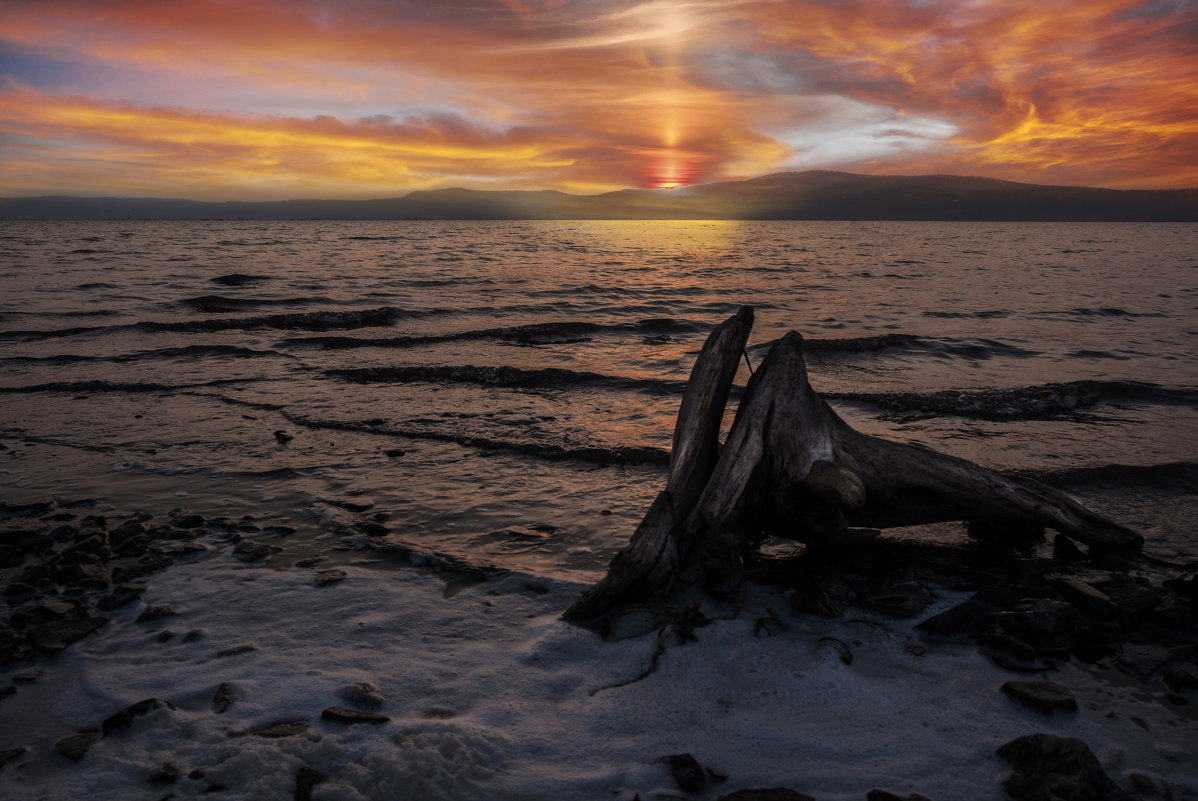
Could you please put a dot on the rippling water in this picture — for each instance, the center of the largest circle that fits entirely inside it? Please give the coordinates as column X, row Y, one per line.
column 471, row 377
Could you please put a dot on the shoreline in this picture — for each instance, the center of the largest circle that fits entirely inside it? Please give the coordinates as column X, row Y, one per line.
column 437, row 634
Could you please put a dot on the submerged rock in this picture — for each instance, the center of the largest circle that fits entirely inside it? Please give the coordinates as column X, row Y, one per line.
column 76, row 746
column 772, row 794
column 1042, row 696
column 330, row 576
column 306, row 779
column 286, row 728
column 1048, row 768
column 155, row 611
column 124, row 719
column 686, row 772
column 362, row 694
column 343, row 715
column 250, row 551
column 53, row 637
column 224, row 697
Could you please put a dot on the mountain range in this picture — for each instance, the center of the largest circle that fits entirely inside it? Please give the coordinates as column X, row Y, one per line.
column 811, row 195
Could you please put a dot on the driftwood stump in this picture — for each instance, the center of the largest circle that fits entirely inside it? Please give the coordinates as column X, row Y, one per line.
column 791, row 467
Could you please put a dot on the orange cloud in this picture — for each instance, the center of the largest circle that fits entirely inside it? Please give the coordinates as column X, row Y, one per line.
column 276, row 98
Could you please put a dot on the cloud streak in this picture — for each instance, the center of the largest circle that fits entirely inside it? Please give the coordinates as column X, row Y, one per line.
column 269, row 99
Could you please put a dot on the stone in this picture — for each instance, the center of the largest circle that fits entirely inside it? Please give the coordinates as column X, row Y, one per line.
column 282, row 437
column 773, row 794
column 1142, row 660
column 224, row 697
column 1131, row 597
column 169, row 773
column 968, row 617
column 826, row 596
column 50, row 638
column 305, row 779
column 1042, row 696
column 1049, row 768
column 343, row 715
column 188, row 521
column 120, row 595
column 902, row 601
column 686, row 772
column 286, row 728
column 362, row 694
column 76, row 746
column 323, row 577
column 124, row 719
column 1066, row 550
column 1040, row 622
column 1088, row 600
column 9, row 754
column 155, row 611
column 237, row 650
column 250, row 551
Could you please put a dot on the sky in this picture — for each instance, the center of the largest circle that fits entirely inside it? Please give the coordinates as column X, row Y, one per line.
column 275, row 99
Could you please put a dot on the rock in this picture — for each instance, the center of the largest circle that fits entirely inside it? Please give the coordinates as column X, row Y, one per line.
column 826, row 596
column 76, row 746
column 1182, row 678
column 1131, row 597
column 283, row 437
column 236, row 650
column 305, row 780
column 343, row 715
column 332, row 576
column 1088, row 600
column 889, row 795
column 902, row 601
column 224, row 697
column 774, row 794
column 362, row 694
column 1142, row 660
column 124, row 719
column 1040, row 622
column 1048, row 768
column 1042, row 696
column 395, row 453
column 92, row 576
column 51, row 638
column 686, row 771
column 8, row 755
column 169, row 773
column 286, row 728
column 1066, row 550
column 250, row 551
column 188, row 521
column 120, row 595
column 155, row 611
column 968, row 617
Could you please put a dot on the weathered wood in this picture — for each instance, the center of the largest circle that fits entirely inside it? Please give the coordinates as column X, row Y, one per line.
column 654, row 555
column 793, row 468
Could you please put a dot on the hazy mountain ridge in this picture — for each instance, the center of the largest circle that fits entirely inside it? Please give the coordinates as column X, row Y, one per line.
column 813, row 195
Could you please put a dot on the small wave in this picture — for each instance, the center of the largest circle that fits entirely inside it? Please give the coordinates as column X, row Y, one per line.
column 989, row 314
column 595, row 454
column 187, row 352
column 1182, row 476
column 558, row 332
column 1108, row 311
column 505, row 376
column 79, row 387
column 56, row 333
column 1047, row 401
column 304, row 321
column 220, row 303
column 238, row 279
column 974, row 349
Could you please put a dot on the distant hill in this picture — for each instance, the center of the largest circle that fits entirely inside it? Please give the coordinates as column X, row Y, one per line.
column 813, row 195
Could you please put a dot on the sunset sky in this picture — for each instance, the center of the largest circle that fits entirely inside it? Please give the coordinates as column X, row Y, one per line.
column 268, row 99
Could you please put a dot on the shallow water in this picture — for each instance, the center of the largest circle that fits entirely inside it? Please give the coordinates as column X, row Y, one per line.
column 529, row 372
